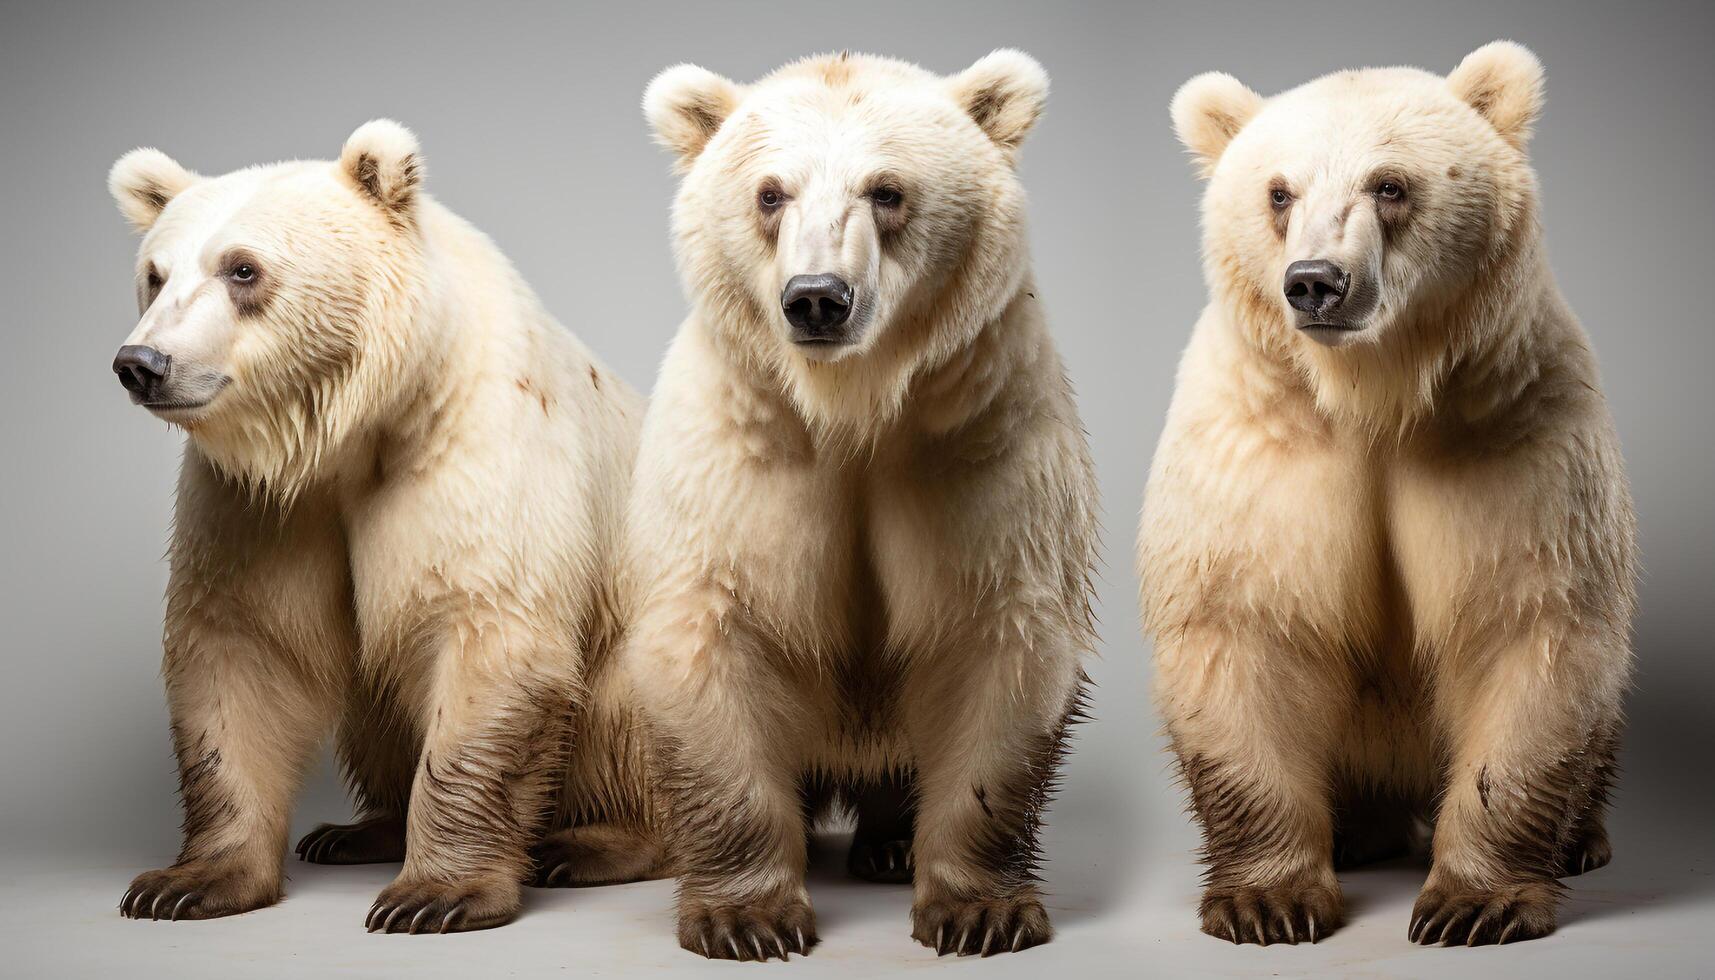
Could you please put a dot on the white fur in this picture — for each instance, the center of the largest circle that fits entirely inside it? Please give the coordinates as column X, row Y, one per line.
column 1409, row 559
column 406, row 479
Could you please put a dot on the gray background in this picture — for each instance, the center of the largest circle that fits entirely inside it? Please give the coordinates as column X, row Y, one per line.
column 530, row 122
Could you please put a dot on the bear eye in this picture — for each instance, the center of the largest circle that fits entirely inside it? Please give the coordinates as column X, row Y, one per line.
column 243, row 272
column 770, row 198
column 886, row 196
column 1279, row 198
column 1389, row 190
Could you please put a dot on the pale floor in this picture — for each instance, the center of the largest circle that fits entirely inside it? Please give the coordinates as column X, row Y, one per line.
column 1651, row 914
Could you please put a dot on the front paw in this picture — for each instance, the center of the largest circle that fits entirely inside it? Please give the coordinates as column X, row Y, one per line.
column 981, row 926
column 1453, row 915
column 1287, row 913
column 377, row 840
column 198, row 890
column 419, row 905
column 758, row 932
column 888, row 861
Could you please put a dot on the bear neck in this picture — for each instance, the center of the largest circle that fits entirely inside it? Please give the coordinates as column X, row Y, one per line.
column 392, row 402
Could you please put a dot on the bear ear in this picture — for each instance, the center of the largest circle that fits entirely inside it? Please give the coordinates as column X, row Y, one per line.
column 1208, row 111
column 382, row 158
column 686, row 106
column 1005, row 92
column 143, row 182
column 1502, row 80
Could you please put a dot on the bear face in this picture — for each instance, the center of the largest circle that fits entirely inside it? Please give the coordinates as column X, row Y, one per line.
column 1352, row 206
column 275, row 301
column 849, row 217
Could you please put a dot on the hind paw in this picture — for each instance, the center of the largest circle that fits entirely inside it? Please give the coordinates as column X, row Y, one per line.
column 889, row 861
column 374, row 841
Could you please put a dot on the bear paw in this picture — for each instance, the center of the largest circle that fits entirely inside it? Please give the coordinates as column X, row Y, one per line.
column 596, row 854
column 983, row 927
column 1288, row 914
column 1481, row 916
column 198, row 890
column 415, row 906
column 888, row 861
column 747, row 932
column 377, row 840
column 1587, row 853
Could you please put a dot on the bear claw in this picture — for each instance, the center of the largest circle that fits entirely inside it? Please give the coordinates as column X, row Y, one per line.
column 414, row 907
column 194, row 890
column 1287, row 914
column 1480, row 917
column 981, row 927
column 748, row 932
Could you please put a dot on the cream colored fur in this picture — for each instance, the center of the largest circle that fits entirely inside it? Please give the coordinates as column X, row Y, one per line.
column 398, row 513
column 1401, row 564
column 868, row 564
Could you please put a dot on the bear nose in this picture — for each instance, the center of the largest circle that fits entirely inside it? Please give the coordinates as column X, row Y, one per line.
column 1316, row 287
column 816, row 305
column 141, row 369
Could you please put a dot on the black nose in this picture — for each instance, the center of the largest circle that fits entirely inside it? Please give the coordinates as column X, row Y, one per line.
column 1316, row 287
column 816, row 304
column 141, row 369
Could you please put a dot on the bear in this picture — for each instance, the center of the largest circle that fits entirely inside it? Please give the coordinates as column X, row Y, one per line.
column 398, row 517
column 1387, row 546
column 864, row 513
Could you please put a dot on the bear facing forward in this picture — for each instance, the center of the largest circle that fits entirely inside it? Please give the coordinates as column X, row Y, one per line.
column 1387, row 546
column 864, row 512
column 398, row 516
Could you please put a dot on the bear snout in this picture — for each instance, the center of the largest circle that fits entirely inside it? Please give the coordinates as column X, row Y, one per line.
column 1316, row 287
column 142, row 370
column 816, row 306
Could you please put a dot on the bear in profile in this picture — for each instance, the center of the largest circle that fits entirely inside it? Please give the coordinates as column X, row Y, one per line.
column 1388, row 546
column 398, row 516
column 864, row 513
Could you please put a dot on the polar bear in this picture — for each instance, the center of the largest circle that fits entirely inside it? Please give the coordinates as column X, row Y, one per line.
column 1387, row 545
column 398, row 515
column 864, row 511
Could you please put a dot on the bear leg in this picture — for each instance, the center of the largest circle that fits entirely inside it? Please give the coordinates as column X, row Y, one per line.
column 491, row 757
column 1527, row 780
column 975, row 850
column 244, row 726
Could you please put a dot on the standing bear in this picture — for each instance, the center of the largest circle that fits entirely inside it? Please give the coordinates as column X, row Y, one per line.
column 1388, row 547
column 864, row 513
column 398, row 515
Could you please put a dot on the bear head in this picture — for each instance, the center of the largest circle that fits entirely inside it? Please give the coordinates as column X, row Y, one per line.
column 850, row 220
column 277, row 301
column 1358, row 211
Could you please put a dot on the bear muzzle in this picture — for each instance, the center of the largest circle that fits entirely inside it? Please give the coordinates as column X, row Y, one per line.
column 143, row 371
column 817, row 308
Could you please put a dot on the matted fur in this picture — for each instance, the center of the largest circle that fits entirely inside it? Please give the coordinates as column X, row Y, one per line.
column 397, row 515
column 862, row 574
column 1390, row 574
